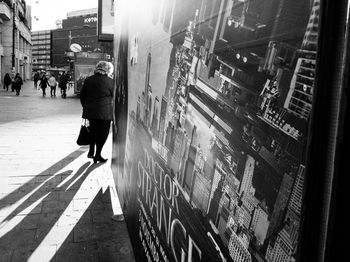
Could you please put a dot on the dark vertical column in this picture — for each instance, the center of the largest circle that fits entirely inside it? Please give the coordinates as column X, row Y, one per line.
column 324, row 223
column 14, row 35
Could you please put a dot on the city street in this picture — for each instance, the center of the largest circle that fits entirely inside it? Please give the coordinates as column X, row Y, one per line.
column 55, row 204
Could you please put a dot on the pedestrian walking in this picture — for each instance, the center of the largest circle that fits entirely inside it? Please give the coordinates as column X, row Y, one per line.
column 43, row 84
column 17, row 84
column 52, row 83
column 96, row 98
column 36, row 79
column 13, row 75
column 7, row 81
column 62, row 84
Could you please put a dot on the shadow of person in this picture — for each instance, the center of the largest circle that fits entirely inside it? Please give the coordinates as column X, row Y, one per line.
column 96, row 236
column 50, row 173
column 22, row 232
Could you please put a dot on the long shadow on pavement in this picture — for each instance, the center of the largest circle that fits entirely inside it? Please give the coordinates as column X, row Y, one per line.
column 48, row 174
column 97, row 237
column 23, row 233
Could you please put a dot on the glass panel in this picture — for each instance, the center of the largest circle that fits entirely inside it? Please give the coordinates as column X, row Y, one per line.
column 219, row 99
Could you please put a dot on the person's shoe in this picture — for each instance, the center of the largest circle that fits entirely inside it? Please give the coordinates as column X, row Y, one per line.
column 100, row 159
column 90, row 155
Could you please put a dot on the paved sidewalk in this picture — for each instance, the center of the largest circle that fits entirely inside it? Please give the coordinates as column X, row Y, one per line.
column 55, row 204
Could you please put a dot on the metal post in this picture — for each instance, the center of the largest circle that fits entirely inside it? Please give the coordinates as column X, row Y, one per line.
column 69, row 38
column 14, row 35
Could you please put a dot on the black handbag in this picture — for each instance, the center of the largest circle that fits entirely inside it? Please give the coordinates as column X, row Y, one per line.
column 84, row 137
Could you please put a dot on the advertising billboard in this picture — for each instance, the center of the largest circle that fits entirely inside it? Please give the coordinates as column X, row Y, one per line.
column 210, row 160
column 105, row 20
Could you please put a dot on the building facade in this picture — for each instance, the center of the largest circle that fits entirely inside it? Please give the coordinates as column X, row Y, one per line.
column 238, row 249
column 299, row 99
column 80, row 27
column 283, row 248
column 15, row 38
column 41, row 49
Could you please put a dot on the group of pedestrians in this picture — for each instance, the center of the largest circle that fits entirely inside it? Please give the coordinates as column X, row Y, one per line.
column 46, row 80
column 15, row 83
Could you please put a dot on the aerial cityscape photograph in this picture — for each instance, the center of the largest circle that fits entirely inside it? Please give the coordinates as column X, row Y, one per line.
column 173, row 130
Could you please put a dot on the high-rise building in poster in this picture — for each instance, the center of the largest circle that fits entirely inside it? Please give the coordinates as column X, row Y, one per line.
column 180, row 142
column 148, row 92
column 260, row 223
column 285, row 244
column 296, row 198
column 143, row 107
column 281, row 202
column 189, row 169
column 299, row 98
column 138, row 109
column 282, row 250
column 162, row 118
column 154, row 125
column 148, row 107
column 239, row 249
column 246, row 182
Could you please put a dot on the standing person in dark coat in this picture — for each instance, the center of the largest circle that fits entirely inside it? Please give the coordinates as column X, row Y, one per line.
column 7, row 81
column 36, row 79
column 43, row 84
column 17, row 84
column 62, row 84
column 96, row 97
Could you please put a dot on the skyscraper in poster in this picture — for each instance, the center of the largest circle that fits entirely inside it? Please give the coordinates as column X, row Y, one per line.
column 299, row 98
column 143, row 107
column 285, row 244
column 260, row 223
column 162, row 118
column 238, row 248
column 281, row 202
column 138, row 109
column 282, row 250
column 148, row 111
column 148, row 93
column 246, row 182
column 154, row 125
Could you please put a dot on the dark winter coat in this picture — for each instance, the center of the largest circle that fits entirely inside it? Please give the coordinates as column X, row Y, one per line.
column 36, row 77
column 96, row 97
column 7, row 79
column 43, row 82
column 17, row 83
column 63, row 81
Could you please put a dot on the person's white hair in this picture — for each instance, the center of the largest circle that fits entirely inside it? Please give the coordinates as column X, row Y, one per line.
column 111, row 69
column 103, row 68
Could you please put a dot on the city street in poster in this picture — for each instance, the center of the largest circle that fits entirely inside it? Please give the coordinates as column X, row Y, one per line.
column 214, row 150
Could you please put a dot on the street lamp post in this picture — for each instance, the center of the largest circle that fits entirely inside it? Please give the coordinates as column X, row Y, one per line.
column 14, row 35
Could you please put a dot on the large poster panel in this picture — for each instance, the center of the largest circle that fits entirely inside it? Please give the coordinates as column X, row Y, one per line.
column 105, row 20
column 219, row 96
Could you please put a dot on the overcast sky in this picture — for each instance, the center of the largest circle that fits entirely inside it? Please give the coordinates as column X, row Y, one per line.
column 48, row 11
